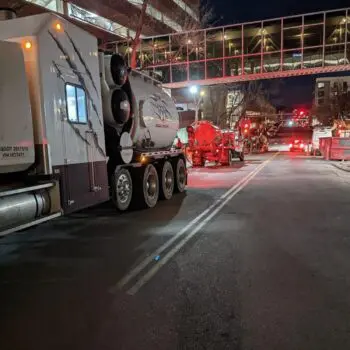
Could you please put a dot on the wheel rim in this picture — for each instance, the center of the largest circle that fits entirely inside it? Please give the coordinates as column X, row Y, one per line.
column 123, row 188
column 168, row 180
column 151, row 185
column 181, row 175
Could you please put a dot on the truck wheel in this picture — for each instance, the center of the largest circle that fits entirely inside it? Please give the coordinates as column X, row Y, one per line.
column 121, row 189
column 231, row 155
column 167, row 181
column 150, row 187
column 180, row 175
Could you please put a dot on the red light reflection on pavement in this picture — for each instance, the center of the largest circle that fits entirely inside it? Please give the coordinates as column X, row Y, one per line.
column 209, row 178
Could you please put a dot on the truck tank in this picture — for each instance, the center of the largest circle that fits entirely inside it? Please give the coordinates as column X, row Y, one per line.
column 138, row 114
column 206, row 135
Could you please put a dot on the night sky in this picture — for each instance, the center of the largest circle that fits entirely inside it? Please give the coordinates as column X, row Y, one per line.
column 290, row 91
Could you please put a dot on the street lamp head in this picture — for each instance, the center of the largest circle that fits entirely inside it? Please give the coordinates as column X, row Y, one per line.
column 193, row 89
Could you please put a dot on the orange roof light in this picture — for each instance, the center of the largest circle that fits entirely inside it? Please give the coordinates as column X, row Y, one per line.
column 28, row 45
column 58, row 27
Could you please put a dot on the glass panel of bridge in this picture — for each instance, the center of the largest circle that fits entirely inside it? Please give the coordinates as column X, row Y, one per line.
column 197, row 70
column 161, row 50
column 233, row 41
column 178, row 48
column 196, row 45
column 292, row 60
column 147, row 52
column 314, row 19
column 162, row 73
column 292, row 22
column 335, row 27
column 179, row 73
column 271, row 36
column 233, row 66
column 215, row 43
column 313, row 57
column 313, row 35
column 292, row 33
column 272, row 62
column 252, row 64
column 215, row 68
column 252, row 38
column 334, row 55
column 292, row 38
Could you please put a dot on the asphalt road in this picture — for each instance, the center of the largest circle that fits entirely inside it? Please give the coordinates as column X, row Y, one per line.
column 267, row 266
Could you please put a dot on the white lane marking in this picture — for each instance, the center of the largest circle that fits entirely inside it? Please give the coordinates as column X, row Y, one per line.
column 168, row 256
column 149, row 259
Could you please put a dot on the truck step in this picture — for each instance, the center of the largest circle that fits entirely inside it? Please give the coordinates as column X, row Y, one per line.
column 9, row 191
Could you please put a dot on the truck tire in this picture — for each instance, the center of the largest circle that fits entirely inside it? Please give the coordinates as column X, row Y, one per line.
column 148, row 191
column 166, row 181
column 121, row 188
column 180, row 175
column 231, row 155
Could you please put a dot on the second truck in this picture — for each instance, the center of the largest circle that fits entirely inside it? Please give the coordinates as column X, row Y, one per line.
column 77, row 127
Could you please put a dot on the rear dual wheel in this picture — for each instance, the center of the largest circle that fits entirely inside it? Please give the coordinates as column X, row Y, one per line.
column 167, row 180
column 148, row 193
column 140, row 190
column 121, row 189
column 180, row 175
column 145, row 186
column 173, row 178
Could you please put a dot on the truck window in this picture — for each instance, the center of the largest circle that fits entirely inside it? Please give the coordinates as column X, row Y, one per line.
column 76, row 104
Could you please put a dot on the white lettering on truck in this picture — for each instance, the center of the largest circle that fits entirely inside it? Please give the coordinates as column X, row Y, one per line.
column 13, row 151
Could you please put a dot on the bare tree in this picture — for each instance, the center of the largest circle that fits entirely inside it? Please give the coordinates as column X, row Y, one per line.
column 244, row 97
column 135, row 42
column 189, row 41
column 216, row 103
column 192, row 38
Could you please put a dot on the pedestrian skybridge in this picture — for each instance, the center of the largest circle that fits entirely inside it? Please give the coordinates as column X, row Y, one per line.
column 282, row 47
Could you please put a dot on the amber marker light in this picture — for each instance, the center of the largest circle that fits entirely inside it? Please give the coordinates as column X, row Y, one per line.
column 58, row 27
column 28, row 45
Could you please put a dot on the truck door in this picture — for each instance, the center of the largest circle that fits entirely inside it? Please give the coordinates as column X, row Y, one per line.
column 83, row 177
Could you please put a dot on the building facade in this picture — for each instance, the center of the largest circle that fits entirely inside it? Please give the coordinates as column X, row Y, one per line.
column 327, row 88
column 114, row 20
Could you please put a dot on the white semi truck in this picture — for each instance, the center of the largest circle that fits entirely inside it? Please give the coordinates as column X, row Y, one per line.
column 77, row 127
